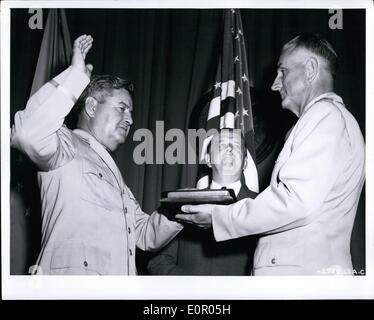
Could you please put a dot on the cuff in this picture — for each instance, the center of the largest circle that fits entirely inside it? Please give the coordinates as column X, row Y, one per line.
column 221, row 222
column 71, row 83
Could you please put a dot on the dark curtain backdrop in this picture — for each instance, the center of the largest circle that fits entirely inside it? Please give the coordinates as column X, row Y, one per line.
column 171, row 57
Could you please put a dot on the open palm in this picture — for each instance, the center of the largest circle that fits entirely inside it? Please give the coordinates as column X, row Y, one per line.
column 81, row 47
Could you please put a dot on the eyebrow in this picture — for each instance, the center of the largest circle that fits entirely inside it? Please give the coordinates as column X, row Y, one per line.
column 125, row 105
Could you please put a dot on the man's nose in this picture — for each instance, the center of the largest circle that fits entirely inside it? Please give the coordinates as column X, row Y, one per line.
column 128, row 119
column 277, row 84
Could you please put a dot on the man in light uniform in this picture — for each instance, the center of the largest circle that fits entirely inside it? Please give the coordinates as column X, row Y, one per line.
column 305, row 217
column 91, row 222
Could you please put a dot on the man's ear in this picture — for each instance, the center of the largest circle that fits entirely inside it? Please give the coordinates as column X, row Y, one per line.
column 312, row 69
column 207, row 160
column 90, row 106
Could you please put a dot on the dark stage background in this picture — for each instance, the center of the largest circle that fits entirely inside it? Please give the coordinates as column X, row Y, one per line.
column 171, row 57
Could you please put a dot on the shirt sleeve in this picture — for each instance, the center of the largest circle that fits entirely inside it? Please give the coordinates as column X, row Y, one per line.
column 153, row 231
column 38, row 129
column 319, row 150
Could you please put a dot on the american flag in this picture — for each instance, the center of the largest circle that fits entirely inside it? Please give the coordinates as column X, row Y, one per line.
column 231, row 106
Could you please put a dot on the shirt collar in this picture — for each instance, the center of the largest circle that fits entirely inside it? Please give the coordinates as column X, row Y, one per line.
column 96, row 145
column 102, row 152
column 326, row 95
column 235, row 186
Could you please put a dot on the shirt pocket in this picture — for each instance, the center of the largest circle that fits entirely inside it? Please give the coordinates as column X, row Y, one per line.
column 99, row 187
column 77, row 258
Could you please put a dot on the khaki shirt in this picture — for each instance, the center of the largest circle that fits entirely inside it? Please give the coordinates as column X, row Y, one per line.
column 91, row 222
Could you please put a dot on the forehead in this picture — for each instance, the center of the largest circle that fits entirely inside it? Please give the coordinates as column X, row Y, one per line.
column 291, row 56
column 226, row 136
column 120, row 96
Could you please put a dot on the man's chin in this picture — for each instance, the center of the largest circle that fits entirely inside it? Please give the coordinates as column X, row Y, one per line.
column 229, row 172
column 116, row 143
column 121, row 138
column 232, row 168
column 288, row 104
column 228, row 163
column 285, row 104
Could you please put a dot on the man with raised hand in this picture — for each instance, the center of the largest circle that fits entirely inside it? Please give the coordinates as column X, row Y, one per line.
column 91, row 222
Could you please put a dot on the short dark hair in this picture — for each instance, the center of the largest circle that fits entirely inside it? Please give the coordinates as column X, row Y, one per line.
column 100, row 87
column 319, row 46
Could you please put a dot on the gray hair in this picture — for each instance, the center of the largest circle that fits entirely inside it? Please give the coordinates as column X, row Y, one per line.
column 317, row 45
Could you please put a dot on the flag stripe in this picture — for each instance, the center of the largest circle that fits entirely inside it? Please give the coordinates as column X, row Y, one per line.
column 227, row 90
column 227, row 120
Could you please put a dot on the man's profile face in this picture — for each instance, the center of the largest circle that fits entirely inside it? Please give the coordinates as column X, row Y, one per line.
column 291, row 79
column 226, row 155
column 113, row 119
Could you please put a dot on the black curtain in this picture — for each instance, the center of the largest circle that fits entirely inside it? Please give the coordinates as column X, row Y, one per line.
column 171, row 57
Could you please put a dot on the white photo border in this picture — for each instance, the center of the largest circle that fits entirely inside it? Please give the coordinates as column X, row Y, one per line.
column 180, row 287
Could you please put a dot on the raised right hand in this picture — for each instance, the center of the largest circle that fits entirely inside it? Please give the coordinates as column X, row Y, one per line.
column 81, row 47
